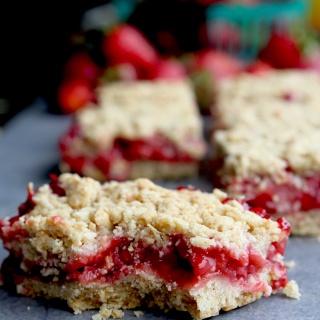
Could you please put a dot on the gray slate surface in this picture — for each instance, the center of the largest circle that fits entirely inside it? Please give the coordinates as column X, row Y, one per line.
column 28, row 152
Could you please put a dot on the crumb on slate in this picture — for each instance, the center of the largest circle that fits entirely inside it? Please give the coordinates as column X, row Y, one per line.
column 138, row 313
column 106, row 313
column 290, row 264
column 291, row 290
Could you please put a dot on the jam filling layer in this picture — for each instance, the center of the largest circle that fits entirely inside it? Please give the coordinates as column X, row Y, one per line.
column 156, row 148
column 179, row 263
column 296, row 194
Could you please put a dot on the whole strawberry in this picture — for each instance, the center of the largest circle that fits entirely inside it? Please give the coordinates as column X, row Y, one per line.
column 169, row 69
column 127, row 44
column 220, row 64
column 81, row 65
column 258, row 67
column 73, row 94
column 282, row 52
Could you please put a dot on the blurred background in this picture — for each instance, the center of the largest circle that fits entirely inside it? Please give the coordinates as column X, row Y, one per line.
column 38, row 39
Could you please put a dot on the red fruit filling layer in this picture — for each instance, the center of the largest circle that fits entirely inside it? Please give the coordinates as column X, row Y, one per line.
column 156, row 148
column 56, row 186
column 296, row 194
column 178, row 263
column 29, row 204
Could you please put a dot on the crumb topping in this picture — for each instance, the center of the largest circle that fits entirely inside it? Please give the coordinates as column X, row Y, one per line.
column 91, row 212
column 270, row 122
column 141, row 109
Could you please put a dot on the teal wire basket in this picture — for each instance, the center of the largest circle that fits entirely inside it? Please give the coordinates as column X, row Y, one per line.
column 108, row 14
column 250, row 26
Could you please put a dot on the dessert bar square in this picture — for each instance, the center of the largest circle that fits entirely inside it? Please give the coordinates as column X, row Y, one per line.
column 123, row 245
column 149, row 129
column 266, row 139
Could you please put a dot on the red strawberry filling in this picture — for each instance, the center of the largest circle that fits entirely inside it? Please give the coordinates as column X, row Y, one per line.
column 284, row 198
column 56, row 186
column 28, row 205
column 156, row 148
column 295, row 195
column 179, row 263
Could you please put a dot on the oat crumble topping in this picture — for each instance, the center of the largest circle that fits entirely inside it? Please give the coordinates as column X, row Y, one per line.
column 137, row 110
column 91, row 211
column 270, row 122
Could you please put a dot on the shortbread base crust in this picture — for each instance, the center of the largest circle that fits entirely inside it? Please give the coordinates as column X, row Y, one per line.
column 147, row 291
column 159, row 170
column 143, row 169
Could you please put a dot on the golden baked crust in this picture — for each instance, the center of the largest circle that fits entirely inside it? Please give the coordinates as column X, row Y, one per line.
column 148, row 291
column 73, row 223
column 144, row 168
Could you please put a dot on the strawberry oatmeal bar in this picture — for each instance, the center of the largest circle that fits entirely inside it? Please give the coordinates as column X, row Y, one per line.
column 266, row 138
column 148, row 129
column 122, row 245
